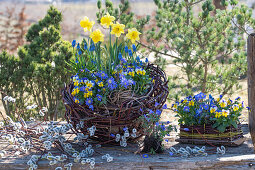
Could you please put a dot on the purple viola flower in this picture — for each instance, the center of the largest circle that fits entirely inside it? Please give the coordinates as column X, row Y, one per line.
column 186, row 109
column 157, row 124
column 151, row 112
column 82, row 88
column 186, row 129
column 158, row 112
column 165, row 106
column 163, row 127
column 145, row 155
column 91, row 107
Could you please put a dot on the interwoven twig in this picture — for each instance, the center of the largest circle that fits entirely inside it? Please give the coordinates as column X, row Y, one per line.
column 111, row 119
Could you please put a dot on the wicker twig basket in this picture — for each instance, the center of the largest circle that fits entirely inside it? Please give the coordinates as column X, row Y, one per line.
column 205, row 134
column 111, row 119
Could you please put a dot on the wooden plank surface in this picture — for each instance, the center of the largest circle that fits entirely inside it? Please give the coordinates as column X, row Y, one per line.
column 125, row 158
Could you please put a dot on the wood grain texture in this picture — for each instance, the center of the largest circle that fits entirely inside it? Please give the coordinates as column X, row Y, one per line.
column 251, row 84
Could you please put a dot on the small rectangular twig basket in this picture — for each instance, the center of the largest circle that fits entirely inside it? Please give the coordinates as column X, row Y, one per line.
column 206, row 135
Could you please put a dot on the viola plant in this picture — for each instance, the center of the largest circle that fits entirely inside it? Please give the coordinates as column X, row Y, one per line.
column 200, row 110
column 102, row 70
column 154, row 130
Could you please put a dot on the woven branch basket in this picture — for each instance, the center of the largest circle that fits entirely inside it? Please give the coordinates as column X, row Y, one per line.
column 111, row 119
column 206, row 135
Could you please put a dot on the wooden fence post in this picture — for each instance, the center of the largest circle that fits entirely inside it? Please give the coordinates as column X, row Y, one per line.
column 251, row 84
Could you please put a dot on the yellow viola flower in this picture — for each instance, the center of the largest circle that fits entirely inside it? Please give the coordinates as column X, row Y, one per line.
column 235, row 107
column 77, row 101
column 86, row 95
column 185, row 101
column 229, row 102
column 117, row 29
column 101, row 84
column 212, row 109
column 191, row 103
column 97, row 36
column 217, row 115
column 133, row 35
column 86, row 24
column 225, row 113
column 174, row 106
column 131, row 73
column 90, row 93
column 89, row 84
column 240, row 105
column 223, row 103
column 73, row 92
column 107, row 20
column 76, row 83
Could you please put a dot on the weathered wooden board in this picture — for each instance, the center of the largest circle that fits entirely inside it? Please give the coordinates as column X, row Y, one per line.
column 241, row 157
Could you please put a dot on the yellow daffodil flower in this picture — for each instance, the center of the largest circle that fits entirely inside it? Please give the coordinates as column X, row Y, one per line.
column 117, row 29
column 217, row 115
column 107, row 20
column 97, row 36
column 191, row 103
column 133, row 35
column 86, row 24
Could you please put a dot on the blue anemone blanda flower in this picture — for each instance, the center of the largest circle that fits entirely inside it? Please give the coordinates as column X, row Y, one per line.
column 111, row 83
column 89, row 101
column 124, row 82
column 99, row 97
